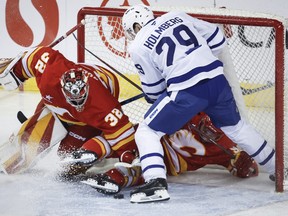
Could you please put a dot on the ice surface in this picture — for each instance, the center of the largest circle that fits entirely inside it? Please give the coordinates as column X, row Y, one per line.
column 208, row 192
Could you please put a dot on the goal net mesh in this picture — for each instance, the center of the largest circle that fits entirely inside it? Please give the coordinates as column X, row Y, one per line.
column 255, row 57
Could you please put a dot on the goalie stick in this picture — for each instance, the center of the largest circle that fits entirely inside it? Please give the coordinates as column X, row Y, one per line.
column 21, row 117
column 82, row 23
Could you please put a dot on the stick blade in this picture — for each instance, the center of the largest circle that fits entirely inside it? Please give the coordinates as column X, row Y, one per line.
column 21, row 117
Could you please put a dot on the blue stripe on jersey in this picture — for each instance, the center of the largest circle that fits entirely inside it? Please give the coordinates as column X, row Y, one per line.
column 153, row 84
column 151, row 155
column 195, row 71
column 155, row 93
column 153, row 166
column 217, row 45
column 213, row 35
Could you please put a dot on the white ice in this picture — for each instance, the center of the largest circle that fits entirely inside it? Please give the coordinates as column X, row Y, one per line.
column 207, row 191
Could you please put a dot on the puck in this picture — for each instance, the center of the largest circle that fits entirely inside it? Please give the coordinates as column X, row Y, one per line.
column 119, row 196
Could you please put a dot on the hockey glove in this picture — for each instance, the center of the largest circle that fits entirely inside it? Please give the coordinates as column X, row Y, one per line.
column 243, row 166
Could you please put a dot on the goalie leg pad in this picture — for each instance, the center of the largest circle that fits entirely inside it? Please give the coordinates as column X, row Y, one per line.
column 34, row 139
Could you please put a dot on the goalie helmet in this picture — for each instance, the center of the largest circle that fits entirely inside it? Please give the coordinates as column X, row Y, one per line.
column 140, row 14
column 75, row 87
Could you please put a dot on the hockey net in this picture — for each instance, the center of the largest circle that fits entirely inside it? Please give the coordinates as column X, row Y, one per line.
column 255, row 57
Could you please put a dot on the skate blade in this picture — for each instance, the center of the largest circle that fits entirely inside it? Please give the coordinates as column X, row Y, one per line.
column 159, row 195
column 84, row 159
column 109, row 187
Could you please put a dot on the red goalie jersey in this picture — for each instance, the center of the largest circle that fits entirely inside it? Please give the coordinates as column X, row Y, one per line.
column 85, row 97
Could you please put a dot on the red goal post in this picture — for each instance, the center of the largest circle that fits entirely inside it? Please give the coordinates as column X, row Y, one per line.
column 254, row 63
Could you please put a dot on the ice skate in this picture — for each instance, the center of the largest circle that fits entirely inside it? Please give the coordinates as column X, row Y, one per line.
column 153, row 191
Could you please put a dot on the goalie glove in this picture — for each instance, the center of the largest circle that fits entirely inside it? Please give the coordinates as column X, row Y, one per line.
column 8, row 79
column 243, row 166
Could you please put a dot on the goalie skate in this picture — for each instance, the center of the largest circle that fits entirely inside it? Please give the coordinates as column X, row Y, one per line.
column 104, row 186
column 153, row 191
column 81, row 157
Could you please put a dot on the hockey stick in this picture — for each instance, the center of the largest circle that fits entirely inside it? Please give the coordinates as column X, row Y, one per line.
column 129, row 100
column 193, row 126
column 82, row 23
column 249, row 91
column 21, row 117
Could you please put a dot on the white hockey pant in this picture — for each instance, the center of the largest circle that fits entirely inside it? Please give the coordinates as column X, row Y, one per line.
column 151, row 152
column 253, row 143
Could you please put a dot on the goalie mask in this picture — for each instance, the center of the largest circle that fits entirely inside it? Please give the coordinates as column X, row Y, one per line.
column 75, row 87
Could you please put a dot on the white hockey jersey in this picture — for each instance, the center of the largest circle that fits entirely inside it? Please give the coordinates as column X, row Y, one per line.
column 176, row 51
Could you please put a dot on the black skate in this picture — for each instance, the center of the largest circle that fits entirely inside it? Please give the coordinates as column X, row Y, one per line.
column 272, row 177
column 103, row 184
column 153, row 191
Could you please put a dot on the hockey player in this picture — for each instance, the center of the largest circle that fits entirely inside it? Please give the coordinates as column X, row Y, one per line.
column 176, row 58
column 197, row 144
column 84, row 97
